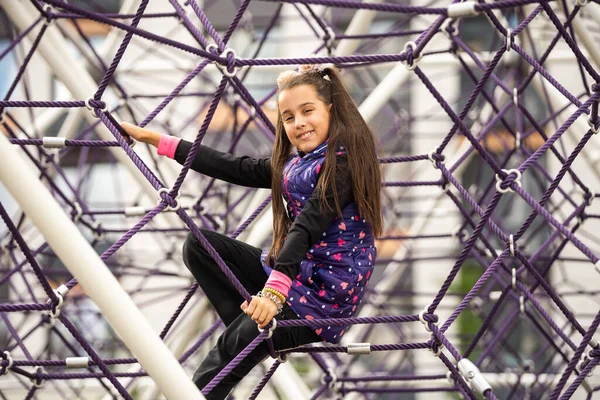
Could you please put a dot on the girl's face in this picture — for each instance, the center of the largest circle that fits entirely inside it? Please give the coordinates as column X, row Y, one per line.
column 305, row 117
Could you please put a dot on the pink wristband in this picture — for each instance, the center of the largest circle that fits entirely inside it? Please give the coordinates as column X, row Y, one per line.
column 280, row 282
column 167, row 146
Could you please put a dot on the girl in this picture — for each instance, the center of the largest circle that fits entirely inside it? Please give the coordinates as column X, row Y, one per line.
column 323, row 248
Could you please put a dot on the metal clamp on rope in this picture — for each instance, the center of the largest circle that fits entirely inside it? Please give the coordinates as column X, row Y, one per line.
column 225, row 67
column 586, row 357
column 54, row 314
column 50, row 158
column 63, row 290
column 522, row 304
column 422, row 319
column 54, row 142
column 98, row 231
column 134, row 211
column 358, row 348
column 92, row 109
column 595, row 128
column 176, row 207
column 473, row 376
column 333, row 383
column 508, row 172
column 78, row 212
column 282, row 357
column 48, row 14
column 509, row 39
column 597, row 266
column 444, row 27
column 592, row 195
column 517, row 140
column 511, row 244
column 514, row 279
column 329, row 36
column 433, row 160
column 38, row 380
column 271, row 330
column 581, row 3
column 439, row 349
column 5, row 369
column 461, row 10
column 77, row 362
column 413, row 46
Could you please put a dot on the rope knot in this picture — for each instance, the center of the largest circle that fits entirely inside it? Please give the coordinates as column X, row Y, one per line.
column 436, row 158
column 6, row 363
column 48, row 15
column 329, row 37
column 172, row 203
column 38, row 379
column 427, row 318
column 412, row 59
column 435, row 345
column 596, row 87
column 228, row 69
column 503, row 184
column 330, row 378
column 93, row 105
column 55, row 305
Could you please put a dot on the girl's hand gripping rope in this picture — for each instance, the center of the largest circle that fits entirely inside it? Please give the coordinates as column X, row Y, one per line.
column 261, row 310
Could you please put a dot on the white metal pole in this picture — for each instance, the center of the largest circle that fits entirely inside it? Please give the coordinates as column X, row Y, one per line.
column 585, row 38
column 70, row 71
column 93, row 275
column 180, row 340
column 382, row 93
column 360, row 24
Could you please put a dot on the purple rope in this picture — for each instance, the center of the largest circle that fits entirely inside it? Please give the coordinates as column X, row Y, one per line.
column 94, row 356
column 251, row 218
column 265, row 380
column 243, row 354
column 119, row 54
column 576, row 356
column 19, row 38
column 30, row 54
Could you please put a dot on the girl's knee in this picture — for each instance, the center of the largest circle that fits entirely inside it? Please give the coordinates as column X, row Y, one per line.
column 192, row 247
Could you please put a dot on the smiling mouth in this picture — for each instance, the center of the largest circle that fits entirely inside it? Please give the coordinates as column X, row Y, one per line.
column 305, row 135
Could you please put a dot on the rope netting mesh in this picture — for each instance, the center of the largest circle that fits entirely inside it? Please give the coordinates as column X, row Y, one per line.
column 489, row 254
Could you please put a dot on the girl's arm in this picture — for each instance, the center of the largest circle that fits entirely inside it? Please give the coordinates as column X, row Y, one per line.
column 244, row 171
column 308, row 227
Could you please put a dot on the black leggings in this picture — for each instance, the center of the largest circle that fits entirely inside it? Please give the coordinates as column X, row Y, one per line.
column 244, row 261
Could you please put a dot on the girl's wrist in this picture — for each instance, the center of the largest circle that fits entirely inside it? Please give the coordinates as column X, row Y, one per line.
column 275, row 298
column 151, row 137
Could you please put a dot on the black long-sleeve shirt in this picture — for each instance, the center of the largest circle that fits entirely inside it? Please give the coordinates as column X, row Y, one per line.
column 308, row 226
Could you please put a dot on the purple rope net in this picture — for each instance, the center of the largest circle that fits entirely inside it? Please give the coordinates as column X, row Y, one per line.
column 486, row 282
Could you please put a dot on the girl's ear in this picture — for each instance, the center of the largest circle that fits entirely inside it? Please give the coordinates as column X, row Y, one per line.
column 330, row 105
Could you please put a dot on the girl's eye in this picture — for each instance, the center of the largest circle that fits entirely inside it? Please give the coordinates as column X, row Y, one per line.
column 307, row 111
column 287, row 119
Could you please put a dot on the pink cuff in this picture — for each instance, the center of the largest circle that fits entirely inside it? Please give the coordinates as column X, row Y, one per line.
column 280, row 282
column 168, row 145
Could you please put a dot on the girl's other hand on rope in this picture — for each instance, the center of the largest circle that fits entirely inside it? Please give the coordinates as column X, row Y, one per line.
column 141, row 134
column 260, row 309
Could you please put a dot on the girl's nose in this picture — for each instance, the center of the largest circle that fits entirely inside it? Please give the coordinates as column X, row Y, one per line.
column 300, row 122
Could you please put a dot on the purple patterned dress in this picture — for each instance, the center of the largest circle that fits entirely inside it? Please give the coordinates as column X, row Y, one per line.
column 335, row 271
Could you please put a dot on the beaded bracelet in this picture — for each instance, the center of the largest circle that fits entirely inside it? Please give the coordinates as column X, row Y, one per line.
column 276, row 293
column 273, row 297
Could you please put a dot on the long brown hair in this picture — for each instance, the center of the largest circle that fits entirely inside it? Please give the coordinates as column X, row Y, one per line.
column 347, row 128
